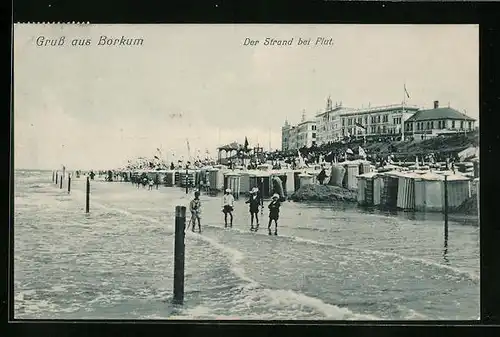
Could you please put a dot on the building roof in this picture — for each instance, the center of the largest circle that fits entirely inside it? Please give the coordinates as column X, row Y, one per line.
column 306, row 121
column 337, row 109
column 384, row 108
column 439, row 113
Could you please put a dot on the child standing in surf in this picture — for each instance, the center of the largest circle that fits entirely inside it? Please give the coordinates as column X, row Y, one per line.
column 254, row 203
column 195, row 208
column 227, row 207
column 274, row 213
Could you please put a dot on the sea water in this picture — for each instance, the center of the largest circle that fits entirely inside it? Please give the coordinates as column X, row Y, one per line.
column 329, row 261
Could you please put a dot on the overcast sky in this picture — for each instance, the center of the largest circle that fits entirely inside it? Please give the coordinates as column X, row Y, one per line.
column 96, row 107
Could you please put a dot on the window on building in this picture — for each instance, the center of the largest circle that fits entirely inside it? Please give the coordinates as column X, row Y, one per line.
column 366, row 119
column 343, row 121
column 360, row 120
column 383, row 129
column 372, row 119
column 470, row 125
column 461, row 124
column 314, row 135
column 432, row 124
column 378, row 119
column 386, row 118
column 452, row 124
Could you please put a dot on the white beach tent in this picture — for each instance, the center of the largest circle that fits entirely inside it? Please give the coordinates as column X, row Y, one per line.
column 469, row 153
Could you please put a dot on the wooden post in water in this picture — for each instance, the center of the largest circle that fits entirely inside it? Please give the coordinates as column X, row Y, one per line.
column 180, row 223
column 57, row 177
column 87, row 196
column 476, row 169
column 446, row 206
column 61, row 182
column 53, row 176
column 69, row 183
column 261, row 196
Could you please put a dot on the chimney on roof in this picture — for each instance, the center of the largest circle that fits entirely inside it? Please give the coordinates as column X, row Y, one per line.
column 436, row 104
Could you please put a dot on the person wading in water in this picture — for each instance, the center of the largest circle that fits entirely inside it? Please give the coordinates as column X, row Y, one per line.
column 227, row 207
column 254, row 203
column 274, row 213
column 195, row 208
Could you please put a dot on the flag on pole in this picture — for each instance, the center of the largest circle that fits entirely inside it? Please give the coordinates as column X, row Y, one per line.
column 361, row 152
column 360, row 125
column 406, row 92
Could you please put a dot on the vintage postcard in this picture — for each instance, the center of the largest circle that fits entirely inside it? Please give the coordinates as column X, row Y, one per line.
column 250, row 172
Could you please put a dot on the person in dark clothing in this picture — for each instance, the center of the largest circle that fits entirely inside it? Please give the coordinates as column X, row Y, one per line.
column 157, row 180
column 254, row 203
column 274, row 213
column 322, row 176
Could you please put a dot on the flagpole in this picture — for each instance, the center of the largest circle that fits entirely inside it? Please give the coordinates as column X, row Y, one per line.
column 269, row 139
column 403, row 114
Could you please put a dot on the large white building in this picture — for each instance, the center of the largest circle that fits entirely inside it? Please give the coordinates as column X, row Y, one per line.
column 375, row 121
column 297, row 136
column 338, row 122
column 328, row 123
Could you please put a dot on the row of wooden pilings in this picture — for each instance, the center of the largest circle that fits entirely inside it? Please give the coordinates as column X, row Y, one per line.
column 179, row 246
column 58, row 180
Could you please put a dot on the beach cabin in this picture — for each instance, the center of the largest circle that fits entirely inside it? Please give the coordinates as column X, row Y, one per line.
column 365, row 188
column 216, row 179
column 365, row 167
column 244, row 182
column 289, row 184
column 429, row 191
column 187, row 177
column 177, row 178
column 160, row 175
column 459, row 189
column 169, row 179
column 296, row 180
column 389, row 189
column 261, row 180
column 350, row 177
column 406, row 191
column 337, row 174
column 232, row 181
